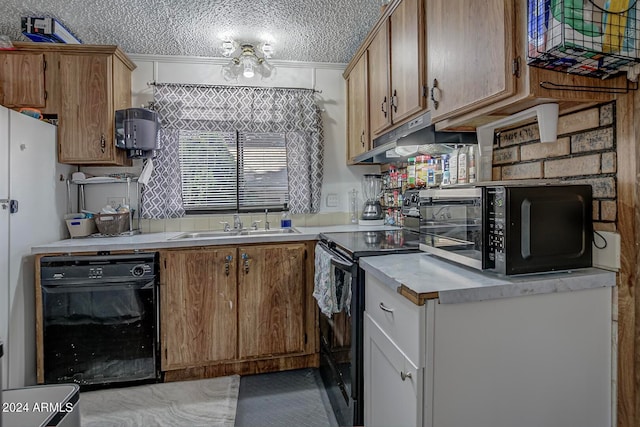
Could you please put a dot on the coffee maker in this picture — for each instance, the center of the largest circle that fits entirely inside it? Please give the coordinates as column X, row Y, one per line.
column 372, row 211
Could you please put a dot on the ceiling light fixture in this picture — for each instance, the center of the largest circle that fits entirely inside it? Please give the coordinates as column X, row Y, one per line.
column 247, row 63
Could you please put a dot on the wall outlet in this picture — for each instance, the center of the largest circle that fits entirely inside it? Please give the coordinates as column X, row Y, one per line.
column 332, row 200
column 606, row 250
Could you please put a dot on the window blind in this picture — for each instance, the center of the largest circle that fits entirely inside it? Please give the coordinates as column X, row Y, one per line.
column 263, row 177
column 225, row 171
column 208, row 161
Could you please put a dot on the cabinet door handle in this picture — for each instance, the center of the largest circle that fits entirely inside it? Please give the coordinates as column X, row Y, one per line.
column 385, row 308
column 362, row 139
column 384, row 106
column 435, row 94
column 227, row 264
column 394, row 101
column 103, row 143
column 245, row 264
column 404, row 375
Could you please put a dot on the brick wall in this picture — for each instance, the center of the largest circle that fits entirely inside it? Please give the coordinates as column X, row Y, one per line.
column 584, row 153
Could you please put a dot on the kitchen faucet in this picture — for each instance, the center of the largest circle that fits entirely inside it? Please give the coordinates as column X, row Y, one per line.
column 266, row 219
column 237, row 222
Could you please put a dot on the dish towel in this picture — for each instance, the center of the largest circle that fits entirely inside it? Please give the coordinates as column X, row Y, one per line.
column 342, row 283
column 324, row 290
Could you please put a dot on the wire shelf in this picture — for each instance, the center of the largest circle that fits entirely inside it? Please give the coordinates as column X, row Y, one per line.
column 595, row 38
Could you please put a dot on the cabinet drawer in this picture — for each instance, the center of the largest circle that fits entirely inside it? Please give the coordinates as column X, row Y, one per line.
column 398, row 317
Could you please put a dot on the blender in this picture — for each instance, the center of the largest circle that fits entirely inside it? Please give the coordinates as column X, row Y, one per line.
column 372, row 211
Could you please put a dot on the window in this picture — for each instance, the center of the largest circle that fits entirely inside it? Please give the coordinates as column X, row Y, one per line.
column 233, row 171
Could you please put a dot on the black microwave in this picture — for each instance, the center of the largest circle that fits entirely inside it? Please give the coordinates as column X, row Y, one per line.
column 509, row 229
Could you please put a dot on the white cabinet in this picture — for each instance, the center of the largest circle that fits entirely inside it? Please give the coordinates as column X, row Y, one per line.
column 529, row 361
column 536, row 360
column 393, row 384
column 394, row 357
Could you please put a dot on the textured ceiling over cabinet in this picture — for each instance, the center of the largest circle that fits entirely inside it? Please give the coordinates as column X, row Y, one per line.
column 301, row 30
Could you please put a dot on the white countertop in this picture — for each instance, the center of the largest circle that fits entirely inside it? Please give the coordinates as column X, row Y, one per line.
column 425, row 276
column 419, row 276
column 164, row 240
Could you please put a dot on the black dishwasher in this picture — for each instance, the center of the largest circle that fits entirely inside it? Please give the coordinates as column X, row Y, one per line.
column 100, row 317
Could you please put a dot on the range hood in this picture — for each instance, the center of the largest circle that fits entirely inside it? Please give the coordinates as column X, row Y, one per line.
column 417, row 132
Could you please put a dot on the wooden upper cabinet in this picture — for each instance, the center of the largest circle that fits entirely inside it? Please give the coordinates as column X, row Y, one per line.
column 396, row 67
column 470, row 52
column 271, row 300
column 198, row 307
column 22, row 82
column 85, row 114
column 407, row 60
column 93, row 90
column 80, row 85
column 357, row 110
column 393, row 89
column 477, row 61
column 379, row 82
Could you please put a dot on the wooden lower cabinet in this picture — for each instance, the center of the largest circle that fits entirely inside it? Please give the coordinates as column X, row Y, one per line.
column 237, row 309
column 271, row 303
column 198, row 307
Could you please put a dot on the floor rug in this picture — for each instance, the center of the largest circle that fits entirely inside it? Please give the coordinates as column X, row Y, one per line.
column 199, row 403
column 289, row 398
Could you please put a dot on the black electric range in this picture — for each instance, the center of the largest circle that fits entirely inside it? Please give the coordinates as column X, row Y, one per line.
column 342, row 335
column 358, row 244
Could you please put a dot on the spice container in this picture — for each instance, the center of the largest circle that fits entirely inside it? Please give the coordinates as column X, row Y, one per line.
column 421, row 170
column 431, row 173
column 453, row 166
column 463, row 177
column 472, row 164
column 446, row 176
column 411, row 172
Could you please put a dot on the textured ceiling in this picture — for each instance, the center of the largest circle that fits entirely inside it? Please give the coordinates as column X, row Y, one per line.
column 301, row 30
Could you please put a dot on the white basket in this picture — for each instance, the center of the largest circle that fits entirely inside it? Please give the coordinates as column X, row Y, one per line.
column 81, row 227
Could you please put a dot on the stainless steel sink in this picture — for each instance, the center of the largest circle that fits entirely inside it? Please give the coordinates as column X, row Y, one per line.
column 204, row 235
column 268, row 232
column 232, row 233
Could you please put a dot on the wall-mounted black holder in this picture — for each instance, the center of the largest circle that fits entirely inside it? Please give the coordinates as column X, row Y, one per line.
column 576, row 88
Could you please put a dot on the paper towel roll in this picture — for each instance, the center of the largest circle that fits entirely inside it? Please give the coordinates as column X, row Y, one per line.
column 145, row 175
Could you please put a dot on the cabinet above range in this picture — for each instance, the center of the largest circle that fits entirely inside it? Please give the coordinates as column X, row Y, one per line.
column 389, row 71
column 79, row 85
column 465, row 63
column 477, row 66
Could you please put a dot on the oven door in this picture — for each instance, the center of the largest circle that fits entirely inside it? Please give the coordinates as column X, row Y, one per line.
column 451, row 224
column 339, row 343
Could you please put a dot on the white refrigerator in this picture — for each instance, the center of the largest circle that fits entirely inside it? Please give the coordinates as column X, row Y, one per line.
column 33, row 201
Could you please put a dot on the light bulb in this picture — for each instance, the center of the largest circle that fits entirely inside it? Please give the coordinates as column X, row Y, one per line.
column 406, row 150
column 228, row 48
column 267, row 49
column 267, row 69
column 248, row 70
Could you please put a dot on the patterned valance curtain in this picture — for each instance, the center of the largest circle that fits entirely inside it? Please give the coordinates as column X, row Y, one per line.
column 232, row 108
